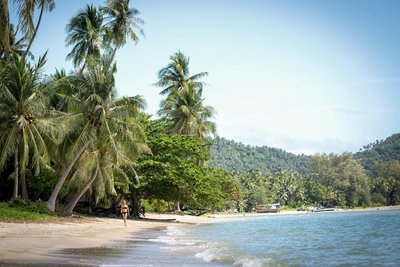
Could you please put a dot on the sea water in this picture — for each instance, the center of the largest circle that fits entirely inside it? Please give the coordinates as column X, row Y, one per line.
column 368, row 238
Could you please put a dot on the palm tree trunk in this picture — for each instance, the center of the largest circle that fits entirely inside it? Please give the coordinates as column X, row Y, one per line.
column 24, row 190
column 135, row 204
column 4, row 28
column 35, row 31
column 51, row 203
column 71, row 205
column 178, row 207
column 16, row 174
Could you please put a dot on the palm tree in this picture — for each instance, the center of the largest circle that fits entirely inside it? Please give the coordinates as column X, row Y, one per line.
column 26, row 12
column 86, row 35
column 187, row 113
column 122, row 21
column 106, row 161
column 94, row 111
column 176, row 75
column 26, row 129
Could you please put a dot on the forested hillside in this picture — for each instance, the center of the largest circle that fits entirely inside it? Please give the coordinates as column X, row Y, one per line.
column 385, row 150
column 234, row 156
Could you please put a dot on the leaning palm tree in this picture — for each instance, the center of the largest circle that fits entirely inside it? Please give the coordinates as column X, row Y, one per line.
column 121, row 22
column 26, row 129
column 86, row 35
column 92, row 109
column 105, row 161
column 176, row 75
column 187, row 114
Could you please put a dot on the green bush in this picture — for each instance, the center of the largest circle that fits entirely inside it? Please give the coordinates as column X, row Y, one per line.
column 20, row 210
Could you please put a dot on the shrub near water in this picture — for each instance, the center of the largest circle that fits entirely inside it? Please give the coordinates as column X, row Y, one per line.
column 18, row 210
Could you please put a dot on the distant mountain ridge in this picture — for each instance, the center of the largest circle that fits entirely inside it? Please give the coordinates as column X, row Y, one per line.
column 237, row 157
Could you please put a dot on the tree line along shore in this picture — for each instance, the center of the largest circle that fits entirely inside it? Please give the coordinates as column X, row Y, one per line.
column 68, row 143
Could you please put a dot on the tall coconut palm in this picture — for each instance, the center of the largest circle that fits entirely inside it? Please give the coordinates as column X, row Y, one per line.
column 86, row 35
column 26, row 128
column 176, row 75
column 93, row 110
column 121, row 22
column 187, row 113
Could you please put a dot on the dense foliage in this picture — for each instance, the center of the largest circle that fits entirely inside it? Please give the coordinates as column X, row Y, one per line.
column 68, row 138
column 237, row 157
column 384, row 150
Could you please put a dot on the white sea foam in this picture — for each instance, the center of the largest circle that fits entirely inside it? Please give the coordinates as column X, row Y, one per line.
column 164, row 239
column 255, row 262
column 207, row 255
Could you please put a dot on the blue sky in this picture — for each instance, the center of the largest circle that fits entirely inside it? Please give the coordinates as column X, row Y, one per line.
column 305, row 76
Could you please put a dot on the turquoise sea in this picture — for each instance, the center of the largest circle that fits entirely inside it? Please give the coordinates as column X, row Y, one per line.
column 368, row 238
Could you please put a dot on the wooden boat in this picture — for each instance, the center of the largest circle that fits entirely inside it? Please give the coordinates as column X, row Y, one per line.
column 271, row 208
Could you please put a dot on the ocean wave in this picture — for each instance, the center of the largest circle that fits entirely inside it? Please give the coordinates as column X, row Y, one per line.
column 257, row 262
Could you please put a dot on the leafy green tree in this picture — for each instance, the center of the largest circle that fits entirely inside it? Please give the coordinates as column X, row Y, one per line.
column 172, row 174
column 314, row 192
column 385, row 179
column 26, row 127
column 344, row 176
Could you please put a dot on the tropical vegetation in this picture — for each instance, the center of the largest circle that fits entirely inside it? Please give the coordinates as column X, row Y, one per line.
column 67, row 142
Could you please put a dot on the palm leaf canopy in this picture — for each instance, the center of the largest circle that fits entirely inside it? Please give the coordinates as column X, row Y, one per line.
column 26, row 123
column 176, row 75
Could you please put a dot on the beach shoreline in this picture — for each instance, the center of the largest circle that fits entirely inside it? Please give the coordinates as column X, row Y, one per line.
column 23, row 243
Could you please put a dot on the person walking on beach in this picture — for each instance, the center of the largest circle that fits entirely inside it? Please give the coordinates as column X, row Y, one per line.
column 124, row 211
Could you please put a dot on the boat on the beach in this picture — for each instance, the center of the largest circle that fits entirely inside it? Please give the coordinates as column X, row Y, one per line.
column 322, row 209
column 271, row 208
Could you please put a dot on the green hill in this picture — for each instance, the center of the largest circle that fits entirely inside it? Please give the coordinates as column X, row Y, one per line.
column 238, row 157
column 385, row 150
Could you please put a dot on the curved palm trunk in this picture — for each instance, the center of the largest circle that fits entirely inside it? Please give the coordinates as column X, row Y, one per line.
column 51, row 203
column 71, row 205
column 35, row 31
column 24, row 190
column 16, row 174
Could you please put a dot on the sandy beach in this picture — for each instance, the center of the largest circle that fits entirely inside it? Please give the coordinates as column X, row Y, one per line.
column 24, row 242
